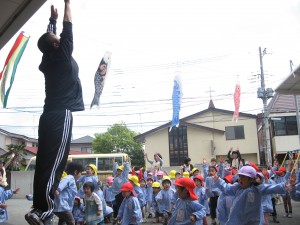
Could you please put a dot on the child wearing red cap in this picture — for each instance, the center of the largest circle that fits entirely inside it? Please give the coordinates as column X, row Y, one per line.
column 130, row 211
column 187, row 209
column 282, row 175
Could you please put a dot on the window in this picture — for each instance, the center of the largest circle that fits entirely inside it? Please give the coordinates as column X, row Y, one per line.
column 234, row 132
column 178, row 146
column 105, row 164
column 16, row 141
column 284, row 126
column 85, row 161
column 86, row 149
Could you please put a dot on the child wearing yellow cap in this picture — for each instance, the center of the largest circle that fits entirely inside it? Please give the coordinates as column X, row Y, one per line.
column 165, row 198
column 90, row 176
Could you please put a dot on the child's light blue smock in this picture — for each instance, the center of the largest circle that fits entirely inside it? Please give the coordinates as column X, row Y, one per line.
column 4, row 195
column 246, row 207
column 87, row 178
column 223, row 207
column 295, row 193
column 184, row 209
column 119, row 180
column 140, row 195
column 202, row 197
column 149, row 194
column 130, row 211
column 78, row 213
column 168, row 197
column 107, row 192
column 67, row 191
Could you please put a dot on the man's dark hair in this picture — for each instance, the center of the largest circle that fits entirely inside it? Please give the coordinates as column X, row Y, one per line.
column 159, row 155
column 89, row 185
column 186, row 160
column 72, row 167
column 45, row 43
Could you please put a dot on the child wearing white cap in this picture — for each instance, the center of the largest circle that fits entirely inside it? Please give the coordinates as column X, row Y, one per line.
column 246, row 206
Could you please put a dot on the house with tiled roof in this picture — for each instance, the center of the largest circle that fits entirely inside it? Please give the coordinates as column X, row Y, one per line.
column 83, row 144
column 206, row 134
column 283, row 125
column 7, row 138
column 31, row 144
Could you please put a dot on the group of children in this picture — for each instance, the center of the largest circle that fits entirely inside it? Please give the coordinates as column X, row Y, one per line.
column 227, row 194
column 230, row 192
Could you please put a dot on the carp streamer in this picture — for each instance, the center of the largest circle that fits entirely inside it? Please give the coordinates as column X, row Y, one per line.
column 176, row 99
column 100, row 77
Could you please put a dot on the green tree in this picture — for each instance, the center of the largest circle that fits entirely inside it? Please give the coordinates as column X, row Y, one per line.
column 15, row 157
column 119, row 138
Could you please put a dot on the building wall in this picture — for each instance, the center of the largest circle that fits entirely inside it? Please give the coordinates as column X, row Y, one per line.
column 2, row 141
column 78, row 147
column 199, row 140
column 248, row 145
column 282, row 144
column 158, row 142
column 199, row 144
column 22, row 180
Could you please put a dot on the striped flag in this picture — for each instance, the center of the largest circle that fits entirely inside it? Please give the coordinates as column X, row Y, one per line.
column 7, row 75
column 176, row 99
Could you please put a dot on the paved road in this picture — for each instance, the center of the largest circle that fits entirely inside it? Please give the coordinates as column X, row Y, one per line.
column 18, row 207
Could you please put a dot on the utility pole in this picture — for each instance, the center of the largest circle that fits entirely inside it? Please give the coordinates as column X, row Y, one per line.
column 265, row 94
column 296, row 104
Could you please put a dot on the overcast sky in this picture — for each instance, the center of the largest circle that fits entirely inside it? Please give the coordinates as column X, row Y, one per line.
column 209, row 42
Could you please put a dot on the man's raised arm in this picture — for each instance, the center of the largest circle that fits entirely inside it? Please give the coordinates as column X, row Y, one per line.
column 68, row 15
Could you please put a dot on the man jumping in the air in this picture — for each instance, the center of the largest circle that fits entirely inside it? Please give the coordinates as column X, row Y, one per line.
column 63, row 96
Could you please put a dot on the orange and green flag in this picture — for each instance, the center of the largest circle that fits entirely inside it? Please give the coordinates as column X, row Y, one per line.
column 7, row 75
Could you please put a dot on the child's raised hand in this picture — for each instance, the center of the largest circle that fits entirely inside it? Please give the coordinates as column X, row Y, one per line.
column 113, row 160
column 56, row 193
column 221, row 159
column 292, row 180
column 99, row 213
column 3, row 206
column 193, row 218
column 204, row 161
column 16, row 190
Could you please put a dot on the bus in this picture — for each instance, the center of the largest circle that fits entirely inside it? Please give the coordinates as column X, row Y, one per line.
column 102, row 161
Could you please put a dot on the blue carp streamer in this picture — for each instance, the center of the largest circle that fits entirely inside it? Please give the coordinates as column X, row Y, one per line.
column 176, row 99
